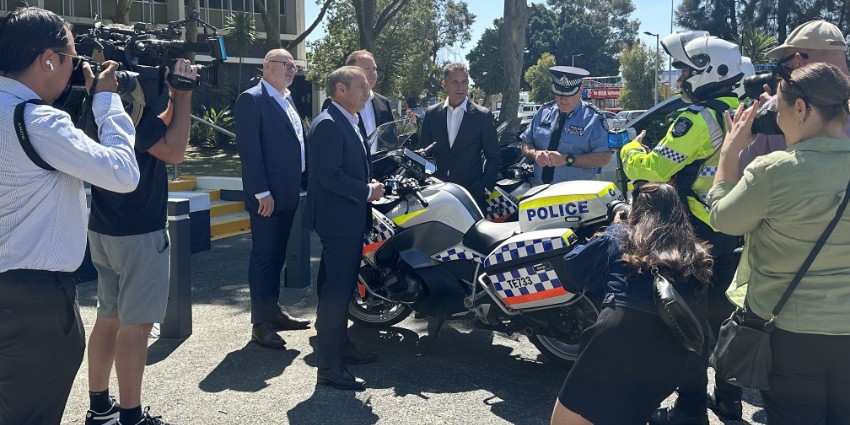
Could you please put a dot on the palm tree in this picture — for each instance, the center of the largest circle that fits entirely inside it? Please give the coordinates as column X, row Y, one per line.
column 756, row 42
column 242, row 32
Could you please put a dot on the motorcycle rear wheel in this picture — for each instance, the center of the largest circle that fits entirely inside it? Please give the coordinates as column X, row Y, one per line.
column 576, row 317
column 374, row 312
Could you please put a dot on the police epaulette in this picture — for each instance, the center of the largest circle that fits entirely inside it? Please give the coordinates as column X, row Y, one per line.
column 592, row 106
column 696, row 108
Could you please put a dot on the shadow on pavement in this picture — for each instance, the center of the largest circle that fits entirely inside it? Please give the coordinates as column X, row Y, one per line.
column 248, row 369
column 342, row 405
column 161, row 349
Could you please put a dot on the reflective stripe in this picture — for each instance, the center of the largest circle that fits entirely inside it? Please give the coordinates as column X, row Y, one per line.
column 715, row 131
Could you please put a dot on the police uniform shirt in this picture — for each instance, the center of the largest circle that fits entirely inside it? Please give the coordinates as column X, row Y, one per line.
column 584, row 132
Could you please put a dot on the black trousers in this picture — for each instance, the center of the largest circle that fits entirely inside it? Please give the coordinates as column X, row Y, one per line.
column 342, row 257
column 42, row 341
column 715, row 308
column 269, row 237
column 810, row 379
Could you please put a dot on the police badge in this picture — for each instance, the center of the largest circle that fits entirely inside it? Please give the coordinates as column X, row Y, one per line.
column 681, row 127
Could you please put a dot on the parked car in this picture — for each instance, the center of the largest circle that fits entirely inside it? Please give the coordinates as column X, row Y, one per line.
column 625, row 117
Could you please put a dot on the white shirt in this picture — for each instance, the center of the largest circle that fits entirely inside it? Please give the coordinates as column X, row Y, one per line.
column 283, row 101
column 454, row 116
column 367, row 114
column 43, row 213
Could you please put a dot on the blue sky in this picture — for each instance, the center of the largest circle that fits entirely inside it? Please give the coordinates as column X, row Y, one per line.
column 654, row 16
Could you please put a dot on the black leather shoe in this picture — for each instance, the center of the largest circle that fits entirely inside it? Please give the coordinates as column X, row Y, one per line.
column 282, row 321
column 339, row 377
column 725, row 409
column 672, row 416
column 357, row 357
column 265, row 336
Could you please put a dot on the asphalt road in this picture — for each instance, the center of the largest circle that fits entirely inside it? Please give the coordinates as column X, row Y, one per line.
column 216, row 376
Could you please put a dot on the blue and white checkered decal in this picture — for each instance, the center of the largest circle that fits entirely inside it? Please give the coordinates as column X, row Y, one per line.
column 458, row 252
column 500, row 205
column 709, row 171
column 671, row 154
column 382, row 229
column 526, row 280
column 517, row 250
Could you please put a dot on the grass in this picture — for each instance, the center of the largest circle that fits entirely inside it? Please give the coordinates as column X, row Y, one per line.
column 201, row 161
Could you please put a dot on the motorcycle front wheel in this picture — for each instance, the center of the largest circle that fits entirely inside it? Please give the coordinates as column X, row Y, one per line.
column 566, row 324
column 370, row 311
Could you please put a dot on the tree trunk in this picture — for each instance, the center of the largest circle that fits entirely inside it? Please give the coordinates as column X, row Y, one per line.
column 122, row 12
column 271, row 22
column 516, row 15
column 782, row 21
column 365, row 12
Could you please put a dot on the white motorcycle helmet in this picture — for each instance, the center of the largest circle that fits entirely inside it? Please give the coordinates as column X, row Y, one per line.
column 749, row 70
column 714, row 63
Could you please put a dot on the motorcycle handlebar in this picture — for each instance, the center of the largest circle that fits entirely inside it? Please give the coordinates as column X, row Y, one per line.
column 421, row 198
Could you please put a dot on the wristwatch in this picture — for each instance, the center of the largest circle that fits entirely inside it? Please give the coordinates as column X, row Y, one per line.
column 571, row 159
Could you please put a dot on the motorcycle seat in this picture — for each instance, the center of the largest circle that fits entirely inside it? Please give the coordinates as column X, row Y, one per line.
column 484, row 236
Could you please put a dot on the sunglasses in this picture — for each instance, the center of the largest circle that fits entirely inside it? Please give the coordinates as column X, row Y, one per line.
column 77, row 60
column 289, row 66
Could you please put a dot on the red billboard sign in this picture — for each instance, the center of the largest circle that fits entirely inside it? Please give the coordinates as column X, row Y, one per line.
column 609, row 93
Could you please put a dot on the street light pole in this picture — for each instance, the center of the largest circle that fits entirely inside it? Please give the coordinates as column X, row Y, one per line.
column 573, row 60
column 657, row 43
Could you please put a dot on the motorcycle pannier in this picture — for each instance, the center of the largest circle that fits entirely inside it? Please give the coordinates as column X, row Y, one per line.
column 526, row 271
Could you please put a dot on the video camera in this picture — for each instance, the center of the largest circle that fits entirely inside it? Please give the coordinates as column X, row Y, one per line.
column 143, row 53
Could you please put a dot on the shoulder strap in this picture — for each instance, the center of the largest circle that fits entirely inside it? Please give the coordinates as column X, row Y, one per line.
column 811, row 258
column 24, row 138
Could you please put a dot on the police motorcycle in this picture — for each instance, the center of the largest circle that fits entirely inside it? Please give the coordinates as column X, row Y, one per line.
column 431, row 251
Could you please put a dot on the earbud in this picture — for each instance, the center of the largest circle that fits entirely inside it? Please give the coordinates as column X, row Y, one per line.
column 49, row 64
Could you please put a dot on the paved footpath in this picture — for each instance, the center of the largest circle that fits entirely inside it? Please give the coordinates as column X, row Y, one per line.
column 217, row 377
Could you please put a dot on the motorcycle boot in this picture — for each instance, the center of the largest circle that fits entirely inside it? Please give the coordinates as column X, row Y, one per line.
column 731, row 409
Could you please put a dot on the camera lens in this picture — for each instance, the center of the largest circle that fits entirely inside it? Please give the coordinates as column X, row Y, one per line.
column 616, row 207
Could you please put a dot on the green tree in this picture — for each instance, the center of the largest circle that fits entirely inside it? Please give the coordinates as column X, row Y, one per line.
column 371, row 21
column 569, row 31
column 404, row 49
column 615, row 12
column 718, row 17
column 639, row 65
column 485, row 61
column 540, row 80
column 512, row 31
column 755, row 43
column 242, row 33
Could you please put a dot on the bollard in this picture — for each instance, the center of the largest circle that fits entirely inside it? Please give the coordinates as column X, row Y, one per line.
column 298, row 250
column 178, row 314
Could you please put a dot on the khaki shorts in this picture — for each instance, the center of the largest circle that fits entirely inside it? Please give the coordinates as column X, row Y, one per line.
column 132, row 276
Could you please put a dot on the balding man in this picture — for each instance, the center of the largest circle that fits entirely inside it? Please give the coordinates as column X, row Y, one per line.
column 270, row 139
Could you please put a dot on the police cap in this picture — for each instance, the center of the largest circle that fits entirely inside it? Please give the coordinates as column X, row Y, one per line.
column 566, row 80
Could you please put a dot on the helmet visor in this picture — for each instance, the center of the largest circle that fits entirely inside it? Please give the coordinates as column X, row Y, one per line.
column 674, row 44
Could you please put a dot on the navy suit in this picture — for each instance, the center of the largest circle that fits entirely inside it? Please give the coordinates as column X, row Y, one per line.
column 337, row 209
column 271, row 161
column 462, row 162
column 381, row 107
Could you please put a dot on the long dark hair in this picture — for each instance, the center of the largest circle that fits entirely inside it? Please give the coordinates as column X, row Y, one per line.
column 659, row 234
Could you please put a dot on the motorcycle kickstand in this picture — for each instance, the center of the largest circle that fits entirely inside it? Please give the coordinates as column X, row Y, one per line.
column 435, row 325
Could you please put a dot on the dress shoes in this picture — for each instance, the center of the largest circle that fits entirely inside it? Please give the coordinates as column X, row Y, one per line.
column 673, row 416
column 265, row 336
column 725, row 409
column 357, row 357
column 339, row 377
column 282, row 321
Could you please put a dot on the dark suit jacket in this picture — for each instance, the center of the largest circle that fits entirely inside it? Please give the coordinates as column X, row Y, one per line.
column 339, row 177
column 381, row 106
column 269, row 150
column 462, row 163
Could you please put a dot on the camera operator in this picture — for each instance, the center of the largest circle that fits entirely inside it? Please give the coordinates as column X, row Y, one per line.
column 130, row 250
column 43, row 208
column 811, row 42
column 688, row 156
